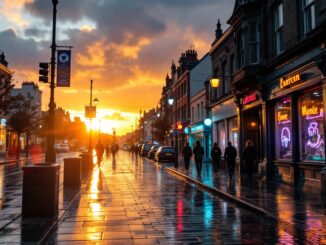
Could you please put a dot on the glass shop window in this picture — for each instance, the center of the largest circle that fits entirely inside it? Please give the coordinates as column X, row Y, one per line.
column 283, row 130
column 312, row 126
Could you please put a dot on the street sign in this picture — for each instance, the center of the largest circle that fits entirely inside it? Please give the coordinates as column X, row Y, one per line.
column 63, row 68
column 90, row 112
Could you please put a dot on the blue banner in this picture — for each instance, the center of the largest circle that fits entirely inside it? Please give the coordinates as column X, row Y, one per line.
column 63, row 68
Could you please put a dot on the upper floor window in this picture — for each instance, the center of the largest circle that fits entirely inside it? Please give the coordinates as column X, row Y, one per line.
column 254, row 42
column 309, row 16
column 240, row 49
column 193, row 114
column 232, row 65
column 198, row 113
column 202, row 110
column 278, row 22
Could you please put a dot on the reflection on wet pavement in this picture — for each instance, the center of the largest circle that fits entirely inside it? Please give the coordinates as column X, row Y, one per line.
column 135, row 202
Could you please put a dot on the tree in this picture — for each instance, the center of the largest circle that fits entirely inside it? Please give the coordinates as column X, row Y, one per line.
column 160, row 128
column 23, row 119
column 5, row 98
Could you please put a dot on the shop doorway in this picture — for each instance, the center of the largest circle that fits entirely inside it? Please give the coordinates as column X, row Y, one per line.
column 251, row 130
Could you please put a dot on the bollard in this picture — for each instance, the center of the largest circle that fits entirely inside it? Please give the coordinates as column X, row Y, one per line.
column 72, row 172
column 87, row 163
column 40, row 191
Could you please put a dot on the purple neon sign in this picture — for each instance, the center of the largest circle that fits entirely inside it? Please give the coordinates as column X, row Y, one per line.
column 285, row 137
column 315, row 140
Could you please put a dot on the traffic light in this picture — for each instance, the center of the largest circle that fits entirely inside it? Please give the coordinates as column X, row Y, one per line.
column 43, row 72
column 179, row 126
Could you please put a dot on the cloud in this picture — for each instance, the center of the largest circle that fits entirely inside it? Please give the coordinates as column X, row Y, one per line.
column 116, row 116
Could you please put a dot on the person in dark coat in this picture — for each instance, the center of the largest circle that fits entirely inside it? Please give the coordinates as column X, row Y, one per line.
column 230, row 156
column 216, row 154
column 99, row 148
column 249, row 157
column 198, row 155
column 187, row 154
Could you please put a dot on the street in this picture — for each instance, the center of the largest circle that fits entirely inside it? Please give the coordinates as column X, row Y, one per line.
column 137, row 202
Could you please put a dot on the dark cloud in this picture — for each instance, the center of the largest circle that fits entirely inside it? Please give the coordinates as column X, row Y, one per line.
column 36, row 32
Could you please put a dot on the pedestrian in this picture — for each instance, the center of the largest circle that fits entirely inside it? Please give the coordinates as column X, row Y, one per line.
column 99, row 152
column 249, row 157
column 113, row 150
column 198, row 155
column 187, row 154
column 216, row 154
column 230, row 156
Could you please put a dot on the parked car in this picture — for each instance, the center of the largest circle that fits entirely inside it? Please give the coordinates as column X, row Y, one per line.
column 145, row 149
column 165, row 153
column 152, row 151
column 64, row 147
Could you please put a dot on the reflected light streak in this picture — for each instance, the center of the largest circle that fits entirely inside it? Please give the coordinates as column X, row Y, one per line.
column 180, row 215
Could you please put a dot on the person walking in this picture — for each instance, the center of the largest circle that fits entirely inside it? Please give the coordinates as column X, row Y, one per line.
column 216, row 154
column 249, row 157
column 187, row 154
column 107, row 151
column 230, row 156
column 198, row 155
column 99, row 148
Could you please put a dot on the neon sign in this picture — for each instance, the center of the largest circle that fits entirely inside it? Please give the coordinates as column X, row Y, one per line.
column 312, row 112
column 250, row 98
column 282, row 118
column 197, row 128
column 289, row 81
column 315, row 140
column 285, row 137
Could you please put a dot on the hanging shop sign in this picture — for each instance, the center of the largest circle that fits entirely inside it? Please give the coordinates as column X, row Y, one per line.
column 250, row 98
column 289, row 81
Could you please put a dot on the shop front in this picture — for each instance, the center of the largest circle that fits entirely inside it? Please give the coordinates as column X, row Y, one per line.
column 201, row 132
column 298, row 132
column 225, row 123
column 3, row 133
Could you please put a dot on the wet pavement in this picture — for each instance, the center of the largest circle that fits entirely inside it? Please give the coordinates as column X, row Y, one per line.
column 12, row 228
column 137, row 202
column 299, row 209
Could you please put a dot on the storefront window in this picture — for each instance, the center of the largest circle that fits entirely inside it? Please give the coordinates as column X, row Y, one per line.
column 221, row 135
column 283, row 137
column 2, row 139
column 312, row 126
column 233, row 131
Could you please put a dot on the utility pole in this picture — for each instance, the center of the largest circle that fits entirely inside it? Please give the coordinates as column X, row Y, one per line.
column 50, row 156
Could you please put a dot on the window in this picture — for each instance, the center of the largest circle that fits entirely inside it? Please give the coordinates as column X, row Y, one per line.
column 198, row 113
column 283, row 129
column 312, row 126
column 232, row 68
column 233, row 131
column 221, row 135
column 202, row 110
column 278, row 22
column 254, row 42
column 193, row 114
column 309, row 16
column 240, row 49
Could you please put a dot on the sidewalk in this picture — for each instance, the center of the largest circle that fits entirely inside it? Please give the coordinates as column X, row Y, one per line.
column 302, row 209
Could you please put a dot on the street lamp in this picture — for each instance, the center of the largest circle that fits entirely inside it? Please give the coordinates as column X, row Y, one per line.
column 50, row 156
column 215, row 82
column 171, row 102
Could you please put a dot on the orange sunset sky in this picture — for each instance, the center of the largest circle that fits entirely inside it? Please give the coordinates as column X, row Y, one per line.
column 125, row 46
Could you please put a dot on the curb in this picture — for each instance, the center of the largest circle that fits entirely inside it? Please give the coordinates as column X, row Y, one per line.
column 217, row 192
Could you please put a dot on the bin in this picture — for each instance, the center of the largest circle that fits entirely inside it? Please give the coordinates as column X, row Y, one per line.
column 87, row 163
column 40, row 191
column 72, row 172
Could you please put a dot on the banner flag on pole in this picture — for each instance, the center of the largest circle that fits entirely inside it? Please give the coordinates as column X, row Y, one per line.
column 63, row 68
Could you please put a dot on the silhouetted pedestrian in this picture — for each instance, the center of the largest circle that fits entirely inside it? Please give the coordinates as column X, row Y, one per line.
column 216, row 154
column 230, row 156
column 198, row 155
column 249, row 157
column 99, row 152
column 187, row 154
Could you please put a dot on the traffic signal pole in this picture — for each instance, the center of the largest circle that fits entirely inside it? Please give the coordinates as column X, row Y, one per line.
column 50, row 156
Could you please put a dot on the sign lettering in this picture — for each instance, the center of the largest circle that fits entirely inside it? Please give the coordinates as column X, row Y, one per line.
column 249, row 98
column 285, row 82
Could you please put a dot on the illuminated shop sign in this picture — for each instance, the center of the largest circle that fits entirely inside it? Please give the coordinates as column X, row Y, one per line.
column 315, row 140
column 197, row 128
column 250, row 98
column 312, row 112
column 285, row 137
column 3, row 122
column 286, row 82
column 283, row 117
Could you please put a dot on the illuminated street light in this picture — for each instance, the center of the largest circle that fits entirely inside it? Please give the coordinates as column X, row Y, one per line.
column 215, row 82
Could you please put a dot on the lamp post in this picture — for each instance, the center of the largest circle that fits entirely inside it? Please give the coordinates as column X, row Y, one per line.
column 172, row 101
column 90, row 147
column 50, row 156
